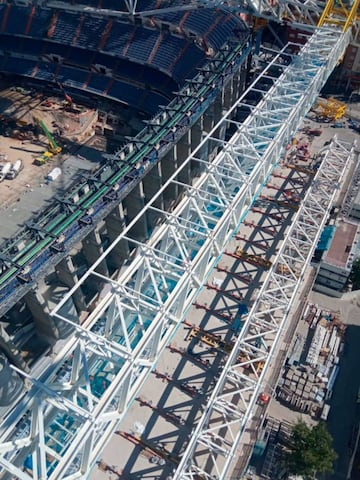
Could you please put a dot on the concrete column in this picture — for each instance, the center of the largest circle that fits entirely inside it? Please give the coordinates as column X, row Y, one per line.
column 196, row 135
column 133, row 203
column 11, row 351
column 208, row 119
column 168, row 166
column 115, row 223
column 45, row 324
column 66, row 273
column 183, row 147
column 228, row 94
column 152, row 184
column 92, row 249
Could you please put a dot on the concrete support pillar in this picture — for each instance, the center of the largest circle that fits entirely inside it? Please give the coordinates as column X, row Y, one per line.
column 228, row 94
column 133, row 203
column 12, row 351
column 168, row 166
column 115, row 223
column 208, row 119
column 92, row 249
column 183, row 147
column 196, row 136
column 152, row 184
column 45, row 324
column 66, row 273
column 181, row 152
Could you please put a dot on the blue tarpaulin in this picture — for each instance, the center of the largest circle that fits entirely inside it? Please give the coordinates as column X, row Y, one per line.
column 326, row 237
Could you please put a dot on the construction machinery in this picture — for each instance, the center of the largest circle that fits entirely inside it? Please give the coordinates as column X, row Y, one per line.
column 255, row 260
column 54, row 148
column 215, row 341
column 43, row 158
column 330, row 109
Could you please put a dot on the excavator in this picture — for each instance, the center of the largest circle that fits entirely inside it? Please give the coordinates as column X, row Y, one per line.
column 54, row 148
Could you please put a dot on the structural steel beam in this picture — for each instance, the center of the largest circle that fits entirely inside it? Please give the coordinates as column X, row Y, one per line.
column 229, row 415
column 76, row 401
column 305, row 13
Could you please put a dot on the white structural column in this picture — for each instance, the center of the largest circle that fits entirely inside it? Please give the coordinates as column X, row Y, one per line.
column 76, row 400
column 217, row 440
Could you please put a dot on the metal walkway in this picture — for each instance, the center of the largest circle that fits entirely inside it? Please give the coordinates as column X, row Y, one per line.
column 75, row 403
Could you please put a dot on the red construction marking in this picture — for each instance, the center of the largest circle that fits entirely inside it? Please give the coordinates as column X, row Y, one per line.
column 35, row 70
column 274, row 187
column 29, row 22
column 244, row 278
column 183, row 20
column 202, row 306
column 169, row 416
column 277, row 175
column 131, row 38
column 6, row 16
column 281, row 203
column 226, row 292
column 109, row 85
column 252, row 259
column 184, row 353
column 78, row 30
column 253, row 242
column 298, row 168
column 155, row 48
column 86, row 83
column 225, row 316
column 275, row 216
column 105, row 34
column 270, row 231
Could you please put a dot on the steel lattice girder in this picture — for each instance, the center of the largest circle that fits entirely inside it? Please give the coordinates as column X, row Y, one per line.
column 74, row 405
column 233, row 401
column 304, row 14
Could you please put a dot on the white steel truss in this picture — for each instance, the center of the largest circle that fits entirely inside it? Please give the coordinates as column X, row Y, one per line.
column 75, row 402
column 306, row 13
column 231, row 411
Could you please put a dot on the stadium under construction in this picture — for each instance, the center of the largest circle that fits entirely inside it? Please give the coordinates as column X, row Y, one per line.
column 100, row 289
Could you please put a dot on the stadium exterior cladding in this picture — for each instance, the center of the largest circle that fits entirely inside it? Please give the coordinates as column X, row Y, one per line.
column 114, row 195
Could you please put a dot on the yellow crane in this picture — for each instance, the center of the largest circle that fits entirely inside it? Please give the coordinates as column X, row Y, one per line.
column 337, row 12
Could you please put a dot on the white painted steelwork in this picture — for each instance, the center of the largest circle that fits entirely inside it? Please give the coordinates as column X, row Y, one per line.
column 305, row 13
column 229, row 416
column 71, row 409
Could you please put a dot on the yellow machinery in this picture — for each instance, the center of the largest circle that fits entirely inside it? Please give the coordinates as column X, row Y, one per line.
column 255, row 260
column 214, row 341
column 54, row 148
column 337, row 12
column 330, row 108
column 44, row 158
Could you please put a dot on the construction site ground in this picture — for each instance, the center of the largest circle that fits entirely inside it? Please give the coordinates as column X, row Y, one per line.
column 151, row 439
column 29, row 192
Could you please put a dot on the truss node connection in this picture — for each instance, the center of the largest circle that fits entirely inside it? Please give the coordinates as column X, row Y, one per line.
column 306, row 13
column 76, row 400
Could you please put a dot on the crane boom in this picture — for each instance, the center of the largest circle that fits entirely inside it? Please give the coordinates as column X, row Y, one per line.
column 54, row 147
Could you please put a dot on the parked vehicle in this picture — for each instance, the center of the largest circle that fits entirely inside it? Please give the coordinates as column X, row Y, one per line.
column 15, row 169
column 5, row 170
